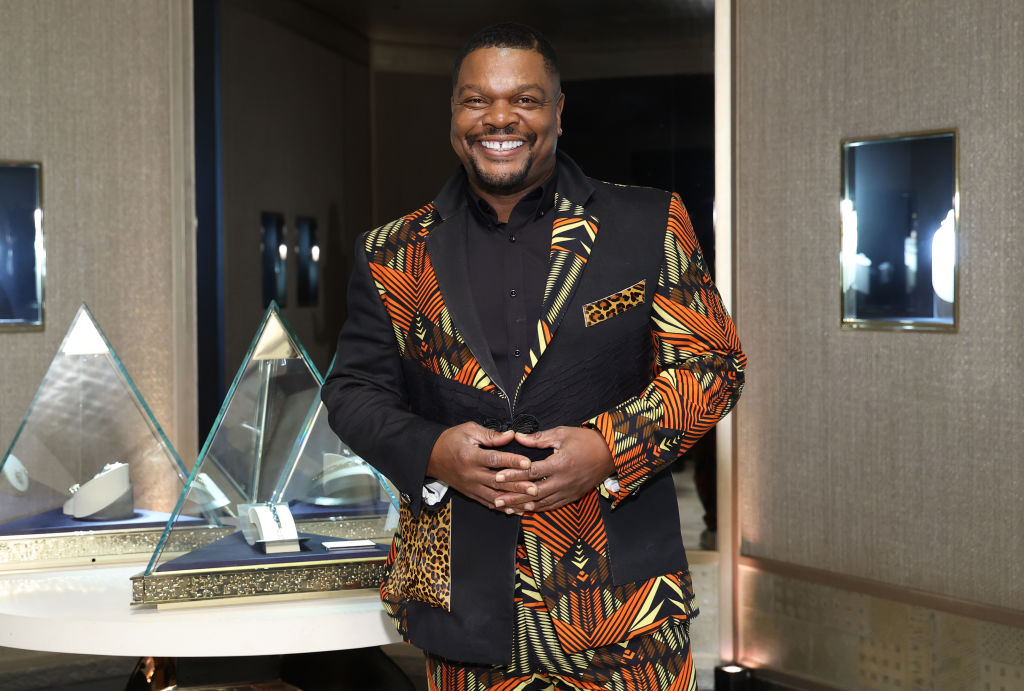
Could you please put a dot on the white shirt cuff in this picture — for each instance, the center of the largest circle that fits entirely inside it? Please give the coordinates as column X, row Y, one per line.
column 433, row 492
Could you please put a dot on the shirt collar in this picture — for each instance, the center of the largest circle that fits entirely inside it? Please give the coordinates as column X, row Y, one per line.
column 568, row 181
column 534, row 205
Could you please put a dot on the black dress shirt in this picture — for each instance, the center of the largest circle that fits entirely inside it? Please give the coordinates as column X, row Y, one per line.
column 508, row 267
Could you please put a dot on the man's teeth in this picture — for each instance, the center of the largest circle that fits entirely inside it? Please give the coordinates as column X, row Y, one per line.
column 506, row 145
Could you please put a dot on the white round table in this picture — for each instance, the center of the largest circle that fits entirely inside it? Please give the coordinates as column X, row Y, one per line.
column 86, row 610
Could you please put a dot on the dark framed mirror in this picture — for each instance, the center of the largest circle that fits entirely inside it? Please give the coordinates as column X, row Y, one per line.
column 899, row 226
column 22, row 257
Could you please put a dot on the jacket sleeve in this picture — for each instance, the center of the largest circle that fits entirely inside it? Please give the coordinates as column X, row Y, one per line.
column 365, row 392
column 698, row 371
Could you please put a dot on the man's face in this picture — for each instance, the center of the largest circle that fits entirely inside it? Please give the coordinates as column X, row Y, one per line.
column 506, row 118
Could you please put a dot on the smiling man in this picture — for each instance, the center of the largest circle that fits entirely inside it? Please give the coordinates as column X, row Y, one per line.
column 524, row 358
column 505, row 123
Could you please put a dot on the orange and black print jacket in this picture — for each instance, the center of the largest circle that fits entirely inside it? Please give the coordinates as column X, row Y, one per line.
column 633, row 340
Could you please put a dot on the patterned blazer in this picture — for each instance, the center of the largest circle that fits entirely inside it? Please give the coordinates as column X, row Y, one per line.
column 632, row 340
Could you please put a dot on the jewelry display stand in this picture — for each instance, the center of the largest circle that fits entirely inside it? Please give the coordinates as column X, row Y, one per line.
column 269, row 527
column 107, row 496
column 258, row 475
column 90, row 476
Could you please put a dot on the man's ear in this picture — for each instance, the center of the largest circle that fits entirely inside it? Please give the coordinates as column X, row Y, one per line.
column 558, row 112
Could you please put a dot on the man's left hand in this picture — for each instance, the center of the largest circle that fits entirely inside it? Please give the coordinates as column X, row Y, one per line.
column 579, row 462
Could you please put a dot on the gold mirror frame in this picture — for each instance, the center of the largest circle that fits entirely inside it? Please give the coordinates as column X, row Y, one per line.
column 850, row 255
column 39, row 254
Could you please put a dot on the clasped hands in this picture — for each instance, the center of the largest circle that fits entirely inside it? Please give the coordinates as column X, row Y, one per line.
column 468, row 458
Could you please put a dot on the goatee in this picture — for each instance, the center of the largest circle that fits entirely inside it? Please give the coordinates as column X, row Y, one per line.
column 502, row 182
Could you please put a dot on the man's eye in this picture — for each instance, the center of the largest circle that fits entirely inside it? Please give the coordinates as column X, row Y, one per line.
column 527, row 101
column 474, row 102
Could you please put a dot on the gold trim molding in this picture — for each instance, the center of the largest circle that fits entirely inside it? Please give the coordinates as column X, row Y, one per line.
column 885, row 591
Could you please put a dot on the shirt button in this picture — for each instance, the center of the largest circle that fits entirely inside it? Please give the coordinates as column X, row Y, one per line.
column 515, row 353
column 512, row 293
column 511, row 238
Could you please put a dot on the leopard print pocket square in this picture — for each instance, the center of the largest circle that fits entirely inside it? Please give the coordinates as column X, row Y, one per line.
column 615, row 304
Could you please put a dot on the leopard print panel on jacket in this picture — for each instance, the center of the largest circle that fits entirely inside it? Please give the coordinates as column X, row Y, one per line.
column 615, row 304
column 420, row 560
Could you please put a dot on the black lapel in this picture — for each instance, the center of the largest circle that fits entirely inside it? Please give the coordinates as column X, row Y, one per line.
column 447, row 249
column 573, row 234
column 572, row 239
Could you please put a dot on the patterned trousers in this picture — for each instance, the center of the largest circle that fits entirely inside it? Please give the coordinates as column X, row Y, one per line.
column 659, row 661
column 654, row 657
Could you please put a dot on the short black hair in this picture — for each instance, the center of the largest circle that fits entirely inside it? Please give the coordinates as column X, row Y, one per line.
column 509, row 35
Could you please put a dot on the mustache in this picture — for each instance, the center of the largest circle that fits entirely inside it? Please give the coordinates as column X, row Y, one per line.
column 507, row 131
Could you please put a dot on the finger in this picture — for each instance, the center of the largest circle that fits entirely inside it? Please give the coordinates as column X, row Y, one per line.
column 550, row 503
column 523, row 487
column 500, row 459
column 543, row 469
column 513, row 475
column 490, row 437
column 482, row 493
column 512, row 500
column 489, row 498
column 515, row 503
column 544, row 439
column 528, row 495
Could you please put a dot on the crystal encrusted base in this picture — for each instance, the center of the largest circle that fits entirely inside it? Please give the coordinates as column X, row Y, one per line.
column 96, row 546
column 18, row 552
column 299, row 579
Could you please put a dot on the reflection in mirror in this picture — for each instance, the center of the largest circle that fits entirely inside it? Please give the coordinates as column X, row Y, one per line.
column 899, row 214
column 274, row 253
column 21, row 246
column 308, row 257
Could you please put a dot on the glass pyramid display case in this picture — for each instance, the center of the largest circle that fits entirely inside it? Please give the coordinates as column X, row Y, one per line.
column 326, row 483
column 291, row 510
column 90, row 476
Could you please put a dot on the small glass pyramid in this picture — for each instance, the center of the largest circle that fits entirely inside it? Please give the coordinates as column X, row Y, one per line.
column 88, row 455
column 249, row 449
column 326, row 479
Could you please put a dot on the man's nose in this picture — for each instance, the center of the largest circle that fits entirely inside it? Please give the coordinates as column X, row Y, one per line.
column 501, row 114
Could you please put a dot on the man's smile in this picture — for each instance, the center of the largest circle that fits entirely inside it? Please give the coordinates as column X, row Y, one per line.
column 505, row 145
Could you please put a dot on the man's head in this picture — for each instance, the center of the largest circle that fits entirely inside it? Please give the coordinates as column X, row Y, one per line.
column 506, row 108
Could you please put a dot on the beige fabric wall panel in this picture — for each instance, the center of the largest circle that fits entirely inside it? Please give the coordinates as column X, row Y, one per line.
column 863, row 642
column 100, row 93
column 889, row 456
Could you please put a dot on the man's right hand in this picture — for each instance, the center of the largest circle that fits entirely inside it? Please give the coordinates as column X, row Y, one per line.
column 465, row 457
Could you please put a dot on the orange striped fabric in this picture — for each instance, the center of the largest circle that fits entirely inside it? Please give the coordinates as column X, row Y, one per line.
column 407, row 284
column 699, row 367
column 660, row 661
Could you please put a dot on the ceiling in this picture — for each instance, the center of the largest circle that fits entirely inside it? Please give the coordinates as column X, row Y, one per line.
column 578, row 22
